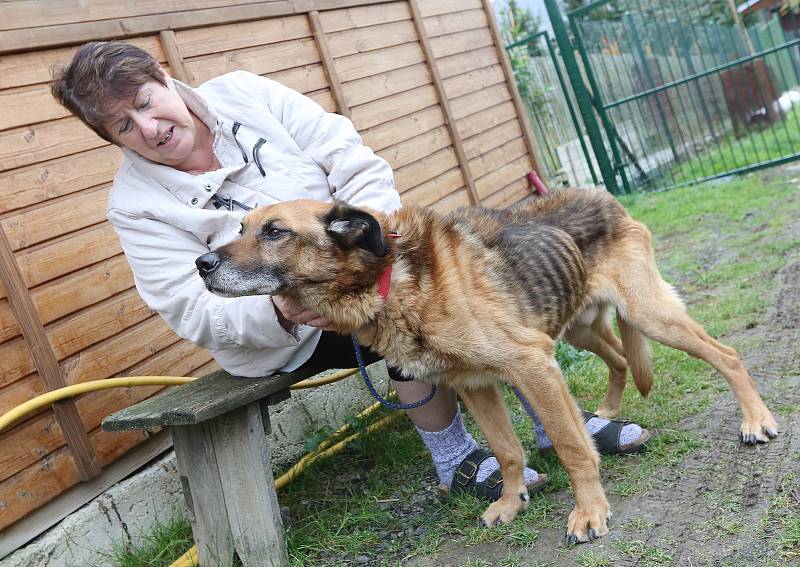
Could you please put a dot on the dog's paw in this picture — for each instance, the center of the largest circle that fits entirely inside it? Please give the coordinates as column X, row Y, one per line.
column 758, row 430
column 504, row 510
column 587, row 525
column 607, row 411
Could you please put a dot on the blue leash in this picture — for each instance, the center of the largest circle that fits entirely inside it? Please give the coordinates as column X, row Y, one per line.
column 376, row 395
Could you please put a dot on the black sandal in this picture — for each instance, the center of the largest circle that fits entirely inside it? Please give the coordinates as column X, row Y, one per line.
column 488, row 489
column 607, row 438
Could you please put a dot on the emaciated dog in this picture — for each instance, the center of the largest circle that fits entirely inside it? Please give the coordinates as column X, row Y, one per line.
column 480, row 296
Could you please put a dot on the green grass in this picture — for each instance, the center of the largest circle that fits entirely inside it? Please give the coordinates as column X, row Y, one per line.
column 351, row 504
column 730, row 153
column 164, row 542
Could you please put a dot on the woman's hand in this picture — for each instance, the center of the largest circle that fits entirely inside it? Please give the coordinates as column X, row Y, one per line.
column 289, row 313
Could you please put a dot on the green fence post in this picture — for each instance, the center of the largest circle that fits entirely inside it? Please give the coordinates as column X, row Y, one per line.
column 582, row 96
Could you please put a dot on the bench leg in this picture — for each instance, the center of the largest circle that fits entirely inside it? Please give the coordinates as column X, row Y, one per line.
column 202, row 490
column 244, row 460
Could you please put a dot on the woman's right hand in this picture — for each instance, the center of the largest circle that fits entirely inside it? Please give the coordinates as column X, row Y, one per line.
column 289, row 314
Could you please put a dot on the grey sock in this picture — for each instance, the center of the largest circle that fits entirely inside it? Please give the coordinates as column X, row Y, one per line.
column 450, row 446
column 630, row 432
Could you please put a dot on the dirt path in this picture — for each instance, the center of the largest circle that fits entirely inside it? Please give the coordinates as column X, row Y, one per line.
column 717, row 507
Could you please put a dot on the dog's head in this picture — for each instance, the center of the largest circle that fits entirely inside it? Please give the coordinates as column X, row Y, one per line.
column 303, row 249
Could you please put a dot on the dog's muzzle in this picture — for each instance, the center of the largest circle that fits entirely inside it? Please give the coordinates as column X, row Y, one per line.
column 207, row 264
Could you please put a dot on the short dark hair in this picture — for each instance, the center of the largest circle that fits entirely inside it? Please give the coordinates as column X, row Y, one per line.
column 101, row 73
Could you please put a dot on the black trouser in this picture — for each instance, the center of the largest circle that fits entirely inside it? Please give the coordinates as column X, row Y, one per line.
column 336, row 351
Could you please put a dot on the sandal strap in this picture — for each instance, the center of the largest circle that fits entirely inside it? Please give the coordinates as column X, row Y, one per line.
column 464, row 479
column 607, row 437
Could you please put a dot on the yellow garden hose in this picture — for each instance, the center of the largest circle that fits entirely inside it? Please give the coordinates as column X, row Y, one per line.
column 129, row 381
column 325, row 449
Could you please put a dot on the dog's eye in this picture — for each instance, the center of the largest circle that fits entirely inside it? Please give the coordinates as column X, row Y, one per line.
column 274, row 232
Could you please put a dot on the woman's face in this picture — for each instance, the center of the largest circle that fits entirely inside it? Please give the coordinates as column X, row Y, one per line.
column 155, row 123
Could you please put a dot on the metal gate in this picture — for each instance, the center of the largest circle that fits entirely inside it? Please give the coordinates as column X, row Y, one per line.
column 680, row 91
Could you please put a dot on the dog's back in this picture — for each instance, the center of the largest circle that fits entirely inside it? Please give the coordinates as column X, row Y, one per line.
column 549, row 246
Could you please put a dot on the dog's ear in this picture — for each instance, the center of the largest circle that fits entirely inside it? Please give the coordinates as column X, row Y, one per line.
column 351, row 227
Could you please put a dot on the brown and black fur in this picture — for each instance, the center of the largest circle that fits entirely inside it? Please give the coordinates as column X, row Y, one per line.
column 481, row 296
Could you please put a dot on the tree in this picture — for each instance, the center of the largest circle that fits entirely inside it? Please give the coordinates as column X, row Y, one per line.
column 518, row 22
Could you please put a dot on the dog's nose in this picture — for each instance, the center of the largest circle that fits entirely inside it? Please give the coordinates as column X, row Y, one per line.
column 208, row 263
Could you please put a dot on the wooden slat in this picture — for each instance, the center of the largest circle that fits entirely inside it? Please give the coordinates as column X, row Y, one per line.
column 499, row 178
column 427, row 168
column 8, row 323
column 76, row 291
column 461, row 63
column 480, row 101
column 33, row 67
column 47, row 180
column 19, row 392
column 121, row 351
column 51, row 260
column 174, row 57
column 199, row 401
column 461, row 42
column 492, row 116
column 417, row 147
column 510, row 194
column 304, row 79
column 24, row 146
column 66, row 34
column 260, row 60
column 35, row 438
column 449, row 117
column 57, row 218
column 28, row 105
column 360, row 40
column 522, row 111
column 342, row 106
column 498, row 157
column 364, row 16
column 370, row 63
column 362, row 91
column 41, row 519
column 36, row 485
column 431, row 191
column 218, row 39
column 404, row 128
column 436, row 7
column 33, row 13
column 386, row 109
column 16, row 360
column 473, row 81
column 45, row 359
column 97, row 323
column 492, row 138
column 70, row 335
column 456, row 22
column 459, row 198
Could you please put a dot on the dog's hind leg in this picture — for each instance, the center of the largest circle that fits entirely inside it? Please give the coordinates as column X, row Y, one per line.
column 599, row 338
column 539, row 380
column 649, row 304
column 491, row 414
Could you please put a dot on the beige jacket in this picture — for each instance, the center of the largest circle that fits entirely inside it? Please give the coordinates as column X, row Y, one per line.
column 274, row 144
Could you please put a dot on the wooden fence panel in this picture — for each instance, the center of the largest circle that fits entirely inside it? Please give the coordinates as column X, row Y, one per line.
column 423, row 81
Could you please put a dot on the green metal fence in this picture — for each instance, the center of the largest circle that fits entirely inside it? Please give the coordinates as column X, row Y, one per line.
column 673, row 92
column 539, row 74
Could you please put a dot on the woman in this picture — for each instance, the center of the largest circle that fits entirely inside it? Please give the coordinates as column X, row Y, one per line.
column 194, row 161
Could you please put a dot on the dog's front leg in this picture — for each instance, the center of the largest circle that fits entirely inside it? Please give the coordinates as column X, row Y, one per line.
column 539, row 379
column 491, row 414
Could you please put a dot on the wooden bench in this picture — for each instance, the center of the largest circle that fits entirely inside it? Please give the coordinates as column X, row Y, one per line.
column 219, row 426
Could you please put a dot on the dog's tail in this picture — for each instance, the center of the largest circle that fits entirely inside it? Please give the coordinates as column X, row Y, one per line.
column 637, row 353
